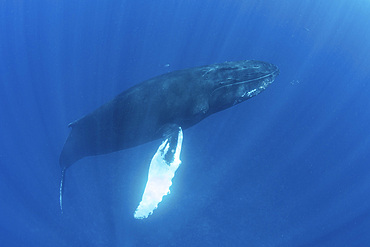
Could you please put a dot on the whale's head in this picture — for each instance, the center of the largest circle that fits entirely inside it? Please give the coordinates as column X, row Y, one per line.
column 235, row 82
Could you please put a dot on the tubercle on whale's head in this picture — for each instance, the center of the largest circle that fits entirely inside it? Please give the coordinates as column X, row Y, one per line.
column 235, row 82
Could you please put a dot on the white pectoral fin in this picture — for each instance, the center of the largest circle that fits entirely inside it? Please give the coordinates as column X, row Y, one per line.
column 161, row 172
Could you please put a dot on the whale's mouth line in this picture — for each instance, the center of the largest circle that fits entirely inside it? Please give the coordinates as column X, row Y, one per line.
column 267, row 82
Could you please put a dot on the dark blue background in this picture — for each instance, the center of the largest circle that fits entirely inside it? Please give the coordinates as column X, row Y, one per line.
column 287, row 168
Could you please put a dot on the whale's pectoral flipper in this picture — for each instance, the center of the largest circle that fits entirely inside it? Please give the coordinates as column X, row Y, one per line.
column 171, row 135
column 161, row 171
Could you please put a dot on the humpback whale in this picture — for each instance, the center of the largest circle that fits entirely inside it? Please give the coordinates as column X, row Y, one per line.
column 161, row 107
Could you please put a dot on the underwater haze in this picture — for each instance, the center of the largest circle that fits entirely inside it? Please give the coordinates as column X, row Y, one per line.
column 290, row 167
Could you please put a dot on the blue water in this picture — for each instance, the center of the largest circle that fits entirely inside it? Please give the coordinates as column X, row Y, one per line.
column 289, row 167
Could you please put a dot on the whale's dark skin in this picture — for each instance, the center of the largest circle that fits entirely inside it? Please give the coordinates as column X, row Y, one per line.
column 149, row 110
column 158, row 107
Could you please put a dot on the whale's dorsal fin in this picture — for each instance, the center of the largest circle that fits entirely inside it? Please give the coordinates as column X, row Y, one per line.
column 70, row 125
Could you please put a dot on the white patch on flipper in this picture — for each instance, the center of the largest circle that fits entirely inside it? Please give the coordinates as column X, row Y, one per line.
column 160, row 178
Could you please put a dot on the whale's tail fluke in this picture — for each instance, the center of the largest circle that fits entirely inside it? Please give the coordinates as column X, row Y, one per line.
column 61, row 189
